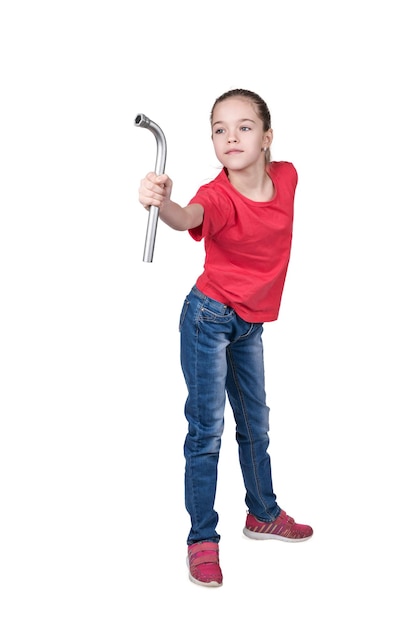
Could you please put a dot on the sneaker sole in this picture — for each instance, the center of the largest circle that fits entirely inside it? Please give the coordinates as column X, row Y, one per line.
column 262, row 536
column 212, row 583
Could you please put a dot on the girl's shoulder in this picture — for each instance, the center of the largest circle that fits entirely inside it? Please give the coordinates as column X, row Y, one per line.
column 282, row 166
column 283, row 170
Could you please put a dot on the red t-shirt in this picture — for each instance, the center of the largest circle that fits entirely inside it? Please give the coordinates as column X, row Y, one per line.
column 247, row 244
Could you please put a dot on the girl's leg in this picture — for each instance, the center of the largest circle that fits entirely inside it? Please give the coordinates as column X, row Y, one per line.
column 204, row 325
column 246, row 391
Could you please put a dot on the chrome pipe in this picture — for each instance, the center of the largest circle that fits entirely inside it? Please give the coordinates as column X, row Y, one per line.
column 161, row 152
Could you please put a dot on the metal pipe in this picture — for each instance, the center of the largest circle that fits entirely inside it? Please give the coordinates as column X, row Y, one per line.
column 161, row 152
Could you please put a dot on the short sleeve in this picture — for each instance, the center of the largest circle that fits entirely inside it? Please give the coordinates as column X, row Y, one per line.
column 218, row 211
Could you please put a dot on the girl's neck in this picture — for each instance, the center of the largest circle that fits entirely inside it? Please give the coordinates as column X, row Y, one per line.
column 255, row 185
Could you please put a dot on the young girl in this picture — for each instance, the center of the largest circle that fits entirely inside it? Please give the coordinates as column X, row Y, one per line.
column 245, row 216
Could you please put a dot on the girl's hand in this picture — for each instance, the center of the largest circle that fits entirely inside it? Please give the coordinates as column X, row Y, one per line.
column 155, row 190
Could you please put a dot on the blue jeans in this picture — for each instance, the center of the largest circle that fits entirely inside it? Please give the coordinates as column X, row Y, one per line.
column 222, row 354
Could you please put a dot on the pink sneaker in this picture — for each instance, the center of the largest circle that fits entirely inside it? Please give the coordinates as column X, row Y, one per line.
column 283, row 527
column 203, row 563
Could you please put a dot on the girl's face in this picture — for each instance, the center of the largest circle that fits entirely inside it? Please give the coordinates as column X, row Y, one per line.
column 238, row 136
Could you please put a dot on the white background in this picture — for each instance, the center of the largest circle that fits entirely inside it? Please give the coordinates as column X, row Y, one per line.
column 92, row 524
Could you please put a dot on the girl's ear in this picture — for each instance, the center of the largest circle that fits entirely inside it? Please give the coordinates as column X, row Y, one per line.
column 267, row 140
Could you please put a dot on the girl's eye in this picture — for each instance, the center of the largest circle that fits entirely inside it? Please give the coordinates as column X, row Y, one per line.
column 244, row 128
column 219, row 131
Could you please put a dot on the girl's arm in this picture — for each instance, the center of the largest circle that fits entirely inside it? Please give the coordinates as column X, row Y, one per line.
column 156, row 191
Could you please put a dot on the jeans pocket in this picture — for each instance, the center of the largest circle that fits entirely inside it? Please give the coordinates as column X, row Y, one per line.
column 214, row 315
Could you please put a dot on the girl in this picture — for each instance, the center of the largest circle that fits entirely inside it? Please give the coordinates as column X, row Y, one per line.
column 245, row 216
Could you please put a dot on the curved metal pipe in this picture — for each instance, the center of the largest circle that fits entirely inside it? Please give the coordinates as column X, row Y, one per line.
column 161, row 152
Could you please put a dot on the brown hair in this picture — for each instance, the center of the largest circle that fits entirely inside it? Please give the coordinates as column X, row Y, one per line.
column 261, row 109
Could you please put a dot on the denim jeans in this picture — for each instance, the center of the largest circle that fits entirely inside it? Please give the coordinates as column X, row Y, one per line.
column 222, row 354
